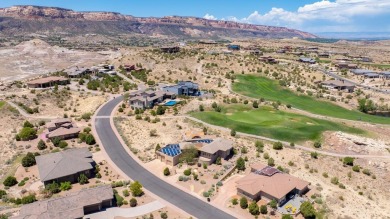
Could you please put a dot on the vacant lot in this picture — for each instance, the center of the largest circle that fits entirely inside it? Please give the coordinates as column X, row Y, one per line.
column 272, row 123
column 257, row 87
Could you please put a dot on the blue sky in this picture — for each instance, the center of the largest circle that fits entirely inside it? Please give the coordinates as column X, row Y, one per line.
column 309, row 15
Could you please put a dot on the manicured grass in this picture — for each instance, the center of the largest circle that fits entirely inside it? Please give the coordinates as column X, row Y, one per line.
column 271, row 123
column 257, row 86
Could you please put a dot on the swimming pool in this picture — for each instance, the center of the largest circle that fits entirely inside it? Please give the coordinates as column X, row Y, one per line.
column 170, row 103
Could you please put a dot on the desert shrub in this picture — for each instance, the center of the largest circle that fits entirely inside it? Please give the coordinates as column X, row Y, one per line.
column 317, row 144
column 41, row 145
column 273, row 204
column 126, row 193
column 271, row 162
column 367, row 172
column 27, row 124
column 119, row 199
column 65, row 186
column 89, row 139
column 307, row 210
column 233, row 132
column 263, row 209
column 28, row 160
column 136, row 189
column 166, row 171
column 28, row 199
column 27, row 133
column 83, row 179
column 63, row 144
column 348, row 161
column 133, row 202
column 254, row 208
column 314, row 155
column 2, row 193
column 243, row 203
column 187, row 172
column 277, row 146
column 10, row 181
column 240, row 164
column 334, row 180
column 356, row 168
column 206, row 194
column 53, row 188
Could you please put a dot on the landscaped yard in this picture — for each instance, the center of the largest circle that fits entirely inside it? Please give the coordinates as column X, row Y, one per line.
column 257, row 87
column 271, row 123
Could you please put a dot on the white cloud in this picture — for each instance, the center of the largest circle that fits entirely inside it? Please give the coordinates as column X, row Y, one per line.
column 209, row 17
column 336, row 13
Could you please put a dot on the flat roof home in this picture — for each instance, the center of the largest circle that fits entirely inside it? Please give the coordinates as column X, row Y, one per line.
column 62, row 128
column 361, row 71
column 338, row 85
column 77, row 72
column 65, row 165
column 210, row 150
column 268, row 59
column 48, row 82
column 385, row 74
column 307, row 60
column 345, row 65
column 371, row 75
column 186, row 88
column 148, row 98
column 233, row 47
column 265, row 182
column 72, row 206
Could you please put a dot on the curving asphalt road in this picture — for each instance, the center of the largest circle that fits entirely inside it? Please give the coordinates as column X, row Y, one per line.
column 135, row 171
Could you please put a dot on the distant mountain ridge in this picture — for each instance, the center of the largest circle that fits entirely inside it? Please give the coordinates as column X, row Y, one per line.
column 40, row 19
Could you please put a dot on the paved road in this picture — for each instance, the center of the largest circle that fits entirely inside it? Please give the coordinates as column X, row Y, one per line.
column 135, row 171
column 352, row 82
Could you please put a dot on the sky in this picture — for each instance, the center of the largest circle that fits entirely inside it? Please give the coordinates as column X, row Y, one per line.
column 314, row 16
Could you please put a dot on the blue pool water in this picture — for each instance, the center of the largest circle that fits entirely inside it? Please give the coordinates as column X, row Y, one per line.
column 170, row 103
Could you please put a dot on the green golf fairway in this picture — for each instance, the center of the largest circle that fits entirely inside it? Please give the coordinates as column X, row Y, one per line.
column 256, row 87
column 272, row 123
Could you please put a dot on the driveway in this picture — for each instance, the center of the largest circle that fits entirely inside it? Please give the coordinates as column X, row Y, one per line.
column 117, row 153
column 126, row 212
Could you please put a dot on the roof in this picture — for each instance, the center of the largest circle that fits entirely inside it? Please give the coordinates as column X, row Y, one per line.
column 69, row 206
column 218, row 144
column 371, row 75
column 277, row 184
column 58, row 121
column 361, row 71
column 63, row 131
column 64, row 163
column 304, row 59
column 47, row 80
column 337, row 83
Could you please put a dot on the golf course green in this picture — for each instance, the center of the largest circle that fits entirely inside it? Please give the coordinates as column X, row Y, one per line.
column 257, row 87
column 271, row 123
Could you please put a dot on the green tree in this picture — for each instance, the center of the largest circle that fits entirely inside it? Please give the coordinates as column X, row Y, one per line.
column 27, row 133
column 255, row 104
column 65, row 186
column 254, row 208
column 41, row 145
column 201, row 108
column 234, row 201
column 90, row 140
column 240, row 163
column 243, row 203
column 133, row 202
column 10, row 181
column 187, row 172
column 136, row 189
column 271, row 162
column 166, row 171
column 83, row 179
column 307, row 210
column 263, row 209
column 56, row 141
column 28, row 160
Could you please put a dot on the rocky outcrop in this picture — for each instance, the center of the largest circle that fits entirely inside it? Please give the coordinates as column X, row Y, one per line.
column 126, row 23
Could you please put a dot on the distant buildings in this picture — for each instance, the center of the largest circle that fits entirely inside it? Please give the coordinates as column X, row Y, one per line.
column 338, row 85
column 307, row 60
column 65, row 166
column 265, row 182
column 170, row 49
column 209, row 149
column 72, row 206
column 268, row 59
column 76, row 72
column 48, row 82
column 185, row 88
column 233, row 47
column 62, row 129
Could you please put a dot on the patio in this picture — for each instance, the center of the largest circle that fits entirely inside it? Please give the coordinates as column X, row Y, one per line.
column 291, row 206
